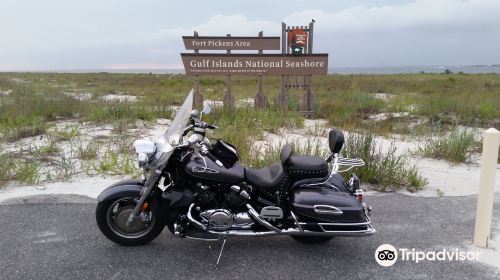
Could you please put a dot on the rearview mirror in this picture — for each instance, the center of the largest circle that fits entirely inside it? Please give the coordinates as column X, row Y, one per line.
column 206, row 109
column 195, row 114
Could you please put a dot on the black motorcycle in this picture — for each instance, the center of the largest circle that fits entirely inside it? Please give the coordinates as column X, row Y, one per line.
column 199, row 190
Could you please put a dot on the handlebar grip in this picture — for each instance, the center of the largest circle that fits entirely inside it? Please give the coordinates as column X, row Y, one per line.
column 214, row 159
column 212, row 126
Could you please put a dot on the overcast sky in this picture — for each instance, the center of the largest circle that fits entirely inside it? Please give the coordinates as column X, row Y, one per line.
column 133, row 34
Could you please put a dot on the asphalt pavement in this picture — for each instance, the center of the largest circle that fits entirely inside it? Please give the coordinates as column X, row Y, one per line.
column 42, row 238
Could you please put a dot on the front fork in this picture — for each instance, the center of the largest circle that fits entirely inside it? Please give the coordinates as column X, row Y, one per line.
column 150, row 184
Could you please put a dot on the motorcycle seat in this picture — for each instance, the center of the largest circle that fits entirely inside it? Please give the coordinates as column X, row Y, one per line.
column 306, row 163
column 268, row 177
column 303, row 167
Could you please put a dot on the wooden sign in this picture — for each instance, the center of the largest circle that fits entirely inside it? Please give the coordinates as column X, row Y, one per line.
column 297, row 38
column 254, row 64
column 296, row 64
column 231, row 43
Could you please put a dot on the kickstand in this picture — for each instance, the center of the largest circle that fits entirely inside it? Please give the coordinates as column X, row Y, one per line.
column 220, row 253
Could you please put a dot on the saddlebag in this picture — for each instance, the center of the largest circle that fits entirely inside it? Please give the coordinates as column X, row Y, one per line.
column 325, row 204
column 225, row 153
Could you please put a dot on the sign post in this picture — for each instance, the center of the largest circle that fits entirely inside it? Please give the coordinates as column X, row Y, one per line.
column 260, row 99
column 482, row 230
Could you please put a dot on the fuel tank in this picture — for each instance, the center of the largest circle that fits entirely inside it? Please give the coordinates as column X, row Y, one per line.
column 204, row 168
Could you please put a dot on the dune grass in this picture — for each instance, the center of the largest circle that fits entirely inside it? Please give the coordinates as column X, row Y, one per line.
column 456, row 146
column 346, row 101
column 31, row 102
column 387, row 170
column 243, row 125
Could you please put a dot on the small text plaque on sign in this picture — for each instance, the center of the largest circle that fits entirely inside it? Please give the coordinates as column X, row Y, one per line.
column 267, row 64
column 231, row 43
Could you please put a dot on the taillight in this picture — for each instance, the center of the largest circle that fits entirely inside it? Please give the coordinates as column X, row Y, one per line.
column 359, row 195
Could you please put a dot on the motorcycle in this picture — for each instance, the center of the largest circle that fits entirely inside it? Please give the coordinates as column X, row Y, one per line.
column 198, row 189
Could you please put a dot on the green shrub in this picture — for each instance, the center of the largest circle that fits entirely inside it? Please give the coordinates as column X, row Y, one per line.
column 457, row 146
column 89, row 151
column 15, row 129
column 7, row 167
column 28, row 172
column 65, row 134
column 387, row 170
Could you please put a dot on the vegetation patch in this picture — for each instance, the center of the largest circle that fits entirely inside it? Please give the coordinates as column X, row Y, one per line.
column 457, row 146
column 386, row 170
column 89, row 151
column 415, row 104
column 7, row 167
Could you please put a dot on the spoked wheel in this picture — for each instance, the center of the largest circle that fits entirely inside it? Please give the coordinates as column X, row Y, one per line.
column 112, row 217
column 312, row 239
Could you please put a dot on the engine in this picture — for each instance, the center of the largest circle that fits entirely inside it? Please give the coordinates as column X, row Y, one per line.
column 223, row 207
column 223, row 219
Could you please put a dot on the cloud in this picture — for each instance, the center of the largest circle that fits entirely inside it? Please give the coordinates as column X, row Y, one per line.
column 219, row 25
column 429, row 16
column 422, row 32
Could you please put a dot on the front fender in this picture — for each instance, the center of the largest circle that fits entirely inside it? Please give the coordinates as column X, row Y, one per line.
column 131, row 188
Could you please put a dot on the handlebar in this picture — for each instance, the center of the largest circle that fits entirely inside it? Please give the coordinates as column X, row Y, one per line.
column 196, row 122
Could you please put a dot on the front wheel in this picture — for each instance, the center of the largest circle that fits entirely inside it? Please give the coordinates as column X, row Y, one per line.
column 112, row 216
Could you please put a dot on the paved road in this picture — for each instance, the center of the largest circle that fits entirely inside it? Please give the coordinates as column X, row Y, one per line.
column 61, row 240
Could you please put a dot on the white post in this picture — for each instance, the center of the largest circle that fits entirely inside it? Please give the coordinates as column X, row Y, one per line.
column 482, row 231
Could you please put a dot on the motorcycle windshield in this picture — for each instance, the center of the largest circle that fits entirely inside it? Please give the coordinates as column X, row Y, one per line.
column 174, row 132
column 173, row 135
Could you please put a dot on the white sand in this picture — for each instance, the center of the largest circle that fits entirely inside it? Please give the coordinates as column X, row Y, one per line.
column 84, row 185
column 122, row 97
column 444, row 178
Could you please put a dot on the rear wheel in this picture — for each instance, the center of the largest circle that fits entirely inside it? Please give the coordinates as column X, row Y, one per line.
column 312, row 239
column 112, row 216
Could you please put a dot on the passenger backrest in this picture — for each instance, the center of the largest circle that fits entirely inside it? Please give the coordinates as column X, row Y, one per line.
column 286, row 153
column 336, row 140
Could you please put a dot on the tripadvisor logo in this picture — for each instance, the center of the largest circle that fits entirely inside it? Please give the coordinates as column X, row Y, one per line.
column 387, row 255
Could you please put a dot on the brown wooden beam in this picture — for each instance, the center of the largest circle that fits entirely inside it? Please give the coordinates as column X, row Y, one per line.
column 228, row 97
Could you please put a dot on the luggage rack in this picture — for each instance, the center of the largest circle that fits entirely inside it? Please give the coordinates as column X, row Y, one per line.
column 351, row 162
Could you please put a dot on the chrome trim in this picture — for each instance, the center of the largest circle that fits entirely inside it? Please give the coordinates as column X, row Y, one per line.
column 351, row 161
column 296, row 232
column 202, row 239
column 327, row 209
column 301, row 232
column 337, row 224
column 256, row 217
column 296, row 221
column 195, row 222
